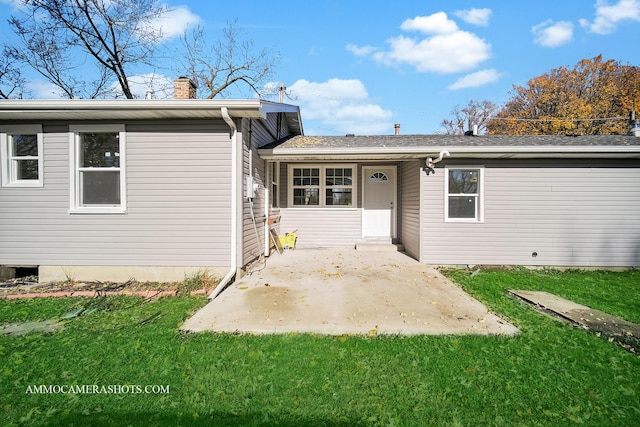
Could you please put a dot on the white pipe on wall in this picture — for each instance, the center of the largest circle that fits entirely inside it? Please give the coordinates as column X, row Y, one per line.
column 266, row 212
column 234, row 204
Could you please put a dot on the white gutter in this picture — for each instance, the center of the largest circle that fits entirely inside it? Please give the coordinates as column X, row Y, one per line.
column 234, row 205
column 374, row 153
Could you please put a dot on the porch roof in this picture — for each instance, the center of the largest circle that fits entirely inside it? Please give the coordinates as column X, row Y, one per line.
column 399, row 147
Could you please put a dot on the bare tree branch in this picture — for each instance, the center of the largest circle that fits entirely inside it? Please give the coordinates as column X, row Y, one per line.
column 474, row 113
column 226, row 64
column 12, row 84
column 114, row 34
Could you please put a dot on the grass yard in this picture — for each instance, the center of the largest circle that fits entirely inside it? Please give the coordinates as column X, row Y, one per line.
column 550, row 374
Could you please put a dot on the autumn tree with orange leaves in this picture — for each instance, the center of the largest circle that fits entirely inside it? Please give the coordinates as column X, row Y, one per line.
column 593, row 98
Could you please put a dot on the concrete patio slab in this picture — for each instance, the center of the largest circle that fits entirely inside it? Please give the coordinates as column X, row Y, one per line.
column 346, row 291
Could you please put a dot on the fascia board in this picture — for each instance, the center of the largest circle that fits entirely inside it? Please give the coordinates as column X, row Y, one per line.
column 377, row 153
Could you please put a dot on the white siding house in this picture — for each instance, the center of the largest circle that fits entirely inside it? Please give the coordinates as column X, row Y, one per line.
column 144, row 189
column 159, row 189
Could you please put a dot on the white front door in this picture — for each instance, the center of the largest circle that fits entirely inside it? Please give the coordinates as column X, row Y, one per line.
column 379, row 202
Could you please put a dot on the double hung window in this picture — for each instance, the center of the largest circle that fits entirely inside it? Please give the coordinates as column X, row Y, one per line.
column 322, row 185
column 339, row 187
column 463, row 189
column 98, row 183
column 21, row 150
column 306, row 186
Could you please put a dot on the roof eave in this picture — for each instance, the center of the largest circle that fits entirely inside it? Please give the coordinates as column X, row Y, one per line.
column 406, row 153
column 120, row 109
column 292, row 113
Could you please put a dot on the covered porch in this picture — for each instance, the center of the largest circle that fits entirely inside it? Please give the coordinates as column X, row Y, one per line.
column 350, row 190
column 347, row 202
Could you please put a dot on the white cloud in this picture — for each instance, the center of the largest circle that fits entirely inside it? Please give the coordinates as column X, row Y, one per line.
column 479, row 78
column 16, row 5
column 341, row 105
column 174, row 22
column 608, row 16
column 550, row 34
column 42, row 89
column 438, row 23
column 360, row 51
column 448, row 53
column 475, row 16
column 445, row 49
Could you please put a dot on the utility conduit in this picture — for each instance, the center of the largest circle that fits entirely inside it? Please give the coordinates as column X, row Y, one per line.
column 226, row 280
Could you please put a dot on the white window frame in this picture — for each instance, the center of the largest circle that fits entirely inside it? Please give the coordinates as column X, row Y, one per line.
column 75, row 169
column 479, row 218
column 274, row 178
column 323, row 187
column 9, row 171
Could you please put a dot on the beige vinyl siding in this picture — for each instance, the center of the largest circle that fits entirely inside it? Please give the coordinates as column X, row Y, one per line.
column 178, row 199
column 568, row 215
column 320, row 227
column 252, row 245
column 410, row 206
column 323, row 228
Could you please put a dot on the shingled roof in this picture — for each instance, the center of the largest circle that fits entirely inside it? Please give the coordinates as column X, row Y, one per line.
column 485, row 146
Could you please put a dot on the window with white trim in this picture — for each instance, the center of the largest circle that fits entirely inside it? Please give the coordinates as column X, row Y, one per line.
column 464, row 194
column 98, row 173
column 275, row 184
column 322, row 186
column 21, row 151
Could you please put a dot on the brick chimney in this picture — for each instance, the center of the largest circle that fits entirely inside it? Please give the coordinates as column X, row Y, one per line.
column 396, row 127
column 184, row 88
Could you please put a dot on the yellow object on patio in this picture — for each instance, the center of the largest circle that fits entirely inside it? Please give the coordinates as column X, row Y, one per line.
column 288, row 241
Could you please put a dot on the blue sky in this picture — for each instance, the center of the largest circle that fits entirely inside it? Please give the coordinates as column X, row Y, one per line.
column 360, row 66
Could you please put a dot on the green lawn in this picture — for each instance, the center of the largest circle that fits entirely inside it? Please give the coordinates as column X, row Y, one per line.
column 550, row 374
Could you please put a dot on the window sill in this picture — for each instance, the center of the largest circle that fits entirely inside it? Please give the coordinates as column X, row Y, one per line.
column 464, row 220
column 323, row 208
column 24, row 184
column 97, row 211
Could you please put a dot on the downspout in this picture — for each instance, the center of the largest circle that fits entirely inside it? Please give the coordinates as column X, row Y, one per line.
column 267, row 201
column 226, row 280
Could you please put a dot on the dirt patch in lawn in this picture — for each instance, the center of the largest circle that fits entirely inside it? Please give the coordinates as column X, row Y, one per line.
column 25, row 287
